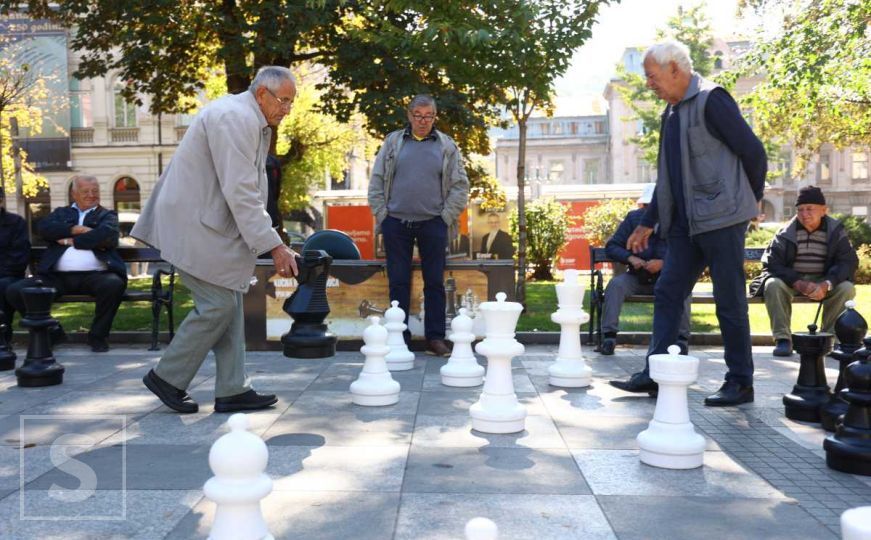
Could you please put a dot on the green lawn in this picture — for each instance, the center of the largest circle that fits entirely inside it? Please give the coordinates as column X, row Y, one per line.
column 541, row 302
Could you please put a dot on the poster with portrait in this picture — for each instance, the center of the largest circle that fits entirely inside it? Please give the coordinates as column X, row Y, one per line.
column 490, row 233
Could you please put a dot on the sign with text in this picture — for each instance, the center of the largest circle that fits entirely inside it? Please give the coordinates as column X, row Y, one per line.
column 357, row 222
column 576, row 253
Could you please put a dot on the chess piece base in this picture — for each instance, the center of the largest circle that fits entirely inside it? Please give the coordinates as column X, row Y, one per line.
column 375, row 401
column 831, row 411
column 508, row 420
column 463, row 381
column 671, row 446
column 36, row 374
column 569, row 375
column 374, row 390
column 308, row 345
column 400, row 364
column 852, row 459
column 7, row 360
column 804, row 403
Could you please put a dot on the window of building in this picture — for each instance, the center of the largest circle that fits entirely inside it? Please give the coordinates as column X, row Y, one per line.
column 599, row 127
column 860, row 166
column 126, row 195
column 80, row 105
column 36, row 208
column 642, row 171
column 573, row 128
column 544, row 128
column 824, row 169
column 557, row 128
column 125, row 112
column 591, row 171
column 556, row 172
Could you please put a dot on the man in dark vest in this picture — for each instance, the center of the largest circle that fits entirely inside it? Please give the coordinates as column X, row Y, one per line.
column 711, row 175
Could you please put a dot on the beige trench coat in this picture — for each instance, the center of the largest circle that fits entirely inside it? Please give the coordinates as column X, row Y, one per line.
column 207, row 213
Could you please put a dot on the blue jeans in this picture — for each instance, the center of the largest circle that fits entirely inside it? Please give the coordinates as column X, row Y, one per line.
column 432, row 240
column 723, row 252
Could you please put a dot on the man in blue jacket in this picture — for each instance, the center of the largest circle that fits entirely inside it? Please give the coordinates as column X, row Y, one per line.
column 14, row 254
column 643, row 269
column 710, row 178
column 82, row 258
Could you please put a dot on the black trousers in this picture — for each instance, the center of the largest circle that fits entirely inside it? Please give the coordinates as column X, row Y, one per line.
column 106, row 287
column 7, row 308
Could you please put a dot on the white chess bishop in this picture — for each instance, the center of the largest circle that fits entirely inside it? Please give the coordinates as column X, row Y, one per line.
column 399, row 358
column 671, row 441
column 498, row 411
column 570, row 370
column 238, row 460
column 375, row 387
column 462, row 369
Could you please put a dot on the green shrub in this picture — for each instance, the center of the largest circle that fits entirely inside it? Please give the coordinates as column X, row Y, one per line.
column 863, row 273
column 761, row 237
column 547, row 224
column 601, row 221
column 858, row 229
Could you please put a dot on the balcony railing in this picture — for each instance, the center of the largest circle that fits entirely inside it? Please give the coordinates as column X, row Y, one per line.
column 82, row 135
column 122, row 135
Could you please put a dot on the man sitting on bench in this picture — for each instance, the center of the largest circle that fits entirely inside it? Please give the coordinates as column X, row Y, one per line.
column 811, row 256
column 643, row 270
column 81, row 259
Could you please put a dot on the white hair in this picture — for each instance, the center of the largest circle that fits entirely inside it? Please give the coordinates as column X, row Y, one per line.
column 271, row 77
column 670, row 51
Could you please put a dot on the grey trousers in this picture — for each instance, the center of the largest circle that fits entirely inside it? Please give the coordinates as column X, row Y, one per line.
column 216, row 323
column 778, row 301
column 626, row 285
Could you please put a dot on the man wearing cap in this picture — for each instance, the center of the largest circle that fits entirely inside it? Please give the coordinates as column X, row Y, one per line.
column 811, row 256
column 643, row 269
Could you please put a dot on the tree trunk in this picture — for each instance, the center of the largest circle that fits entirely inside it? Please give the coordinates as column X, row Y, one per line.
column 520, row 292
column 231, row 50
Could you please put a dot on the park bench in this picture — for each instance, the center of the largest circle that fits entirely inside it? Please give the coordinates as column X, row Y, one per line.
column 598, row 256
column 159, row 296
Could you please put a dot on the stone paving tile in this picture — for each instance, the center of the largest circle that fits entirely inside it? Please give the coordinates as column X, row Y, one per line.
column 33, row 462
column 492, row 470
column 325, row 515
column 15, row 399
column 667, row 518
column 87, row 402
column 149, row 514
column 456, row 431
column 436, row 516
column 331, row 402
column 458, row 401
column 339, row 376
column 336, row 468
column 201, row 428
column 342, row 429
column 44, row 429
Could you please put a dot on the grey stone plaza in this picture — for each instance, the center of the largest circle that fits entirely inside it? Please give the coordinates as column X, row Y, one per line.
column 99, row 457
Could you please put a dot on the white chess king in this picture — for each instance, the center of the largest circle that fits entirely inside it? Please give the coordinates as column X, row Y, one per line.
column 671, row 441
column 570, row 370
column 498, row 411
column 462, row 369
column 238, row 460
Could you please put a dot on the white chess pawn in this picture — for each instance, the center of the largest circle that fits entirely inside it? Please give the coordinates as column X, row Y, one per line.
column 498, row 411
column 375, row 387
column 856, row 523
column 399, row 358
column 462, row 369
column 570, row 370
column 480, row 528
column 238, row 460
column 671, row 441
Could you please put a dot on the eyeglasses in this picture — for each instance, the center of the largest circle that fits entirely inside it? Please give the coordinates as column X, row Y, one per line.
column 282, row 102
column 423, row 118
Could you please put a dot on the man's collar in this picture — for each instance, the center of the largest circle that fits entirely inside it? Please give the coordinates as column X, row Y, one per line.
column 823, row 226
column 409, row 133
column 252, row 101
column 76, row 206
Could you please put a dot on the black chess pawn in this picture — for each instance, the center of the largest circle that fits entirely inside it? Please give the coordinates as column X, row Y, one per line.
column 40, row 367
column 850, row 328
column 811, row 390
column 7, row 355
column 849, row 448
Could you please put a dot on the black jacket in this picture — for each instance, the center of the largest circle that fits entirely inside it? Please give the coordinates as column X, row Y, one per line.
column 841, row 258
column 616, row 245
column 14, row 245
column 502, row 247
column 102, row 240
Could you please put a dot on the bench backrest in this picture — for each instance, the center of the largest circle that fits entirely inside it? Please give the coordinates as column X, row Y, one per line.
column 598, row 255
column 127, row 253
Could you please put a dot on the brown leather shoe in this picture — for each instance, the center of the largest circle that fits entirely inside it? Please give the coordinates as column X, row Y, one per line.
column 437, row 347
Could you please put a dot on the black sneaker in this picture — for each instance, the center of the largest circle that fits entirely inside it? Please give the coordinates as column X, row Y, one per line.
column 98, row 344
column 782, row 347
column 608, row 345
column 246, row 401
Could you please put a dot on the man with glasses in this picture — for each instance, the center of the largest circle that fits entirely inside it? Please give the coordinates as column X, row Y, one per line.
column 417, row 191
column 207, row 215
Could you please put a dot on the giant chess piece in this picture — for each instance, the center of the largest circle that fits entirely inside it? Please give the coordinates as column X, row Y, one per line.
column 810, row 391
column 481, row 528
column 856, row 524
column 850, row 329
column 39, row 367
column 849, row 448
column 238, row 459
column 375, row 387
column 308, row 336
column 7, row 355
column 498, row 411
column 462, row 369
column 399, row 358
column 670, row 441
column 570, row 370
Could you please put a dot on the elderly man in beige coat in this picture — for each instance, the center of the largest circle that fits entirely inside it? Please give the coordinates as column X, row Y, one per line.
column 207, row 216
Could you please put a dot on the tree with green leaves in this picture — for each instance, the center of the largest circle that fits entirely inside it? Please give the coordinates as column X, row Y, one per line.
column 692, row 28
column 547, row 237
column 601, row 221
column 817, row 74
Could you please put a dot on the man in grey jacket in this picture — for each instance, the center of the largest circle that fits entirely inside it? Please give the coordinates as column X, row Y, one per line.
column 207, row 216
column 417, row 190
column 711, row 175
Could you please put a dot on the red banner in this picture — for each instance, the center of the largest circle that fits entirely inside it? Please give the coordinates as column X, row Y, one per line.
column 357, row 222
column 576, row 253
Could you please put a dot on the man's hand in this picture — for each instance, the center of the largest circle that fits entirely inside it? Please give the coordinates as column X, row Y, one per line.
column 653, row 266
column 820, row 291
column 65, row 241
column 636, row 262
column 79, row 229
column 284, row 260
column 805, row 287
column 638, row 239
